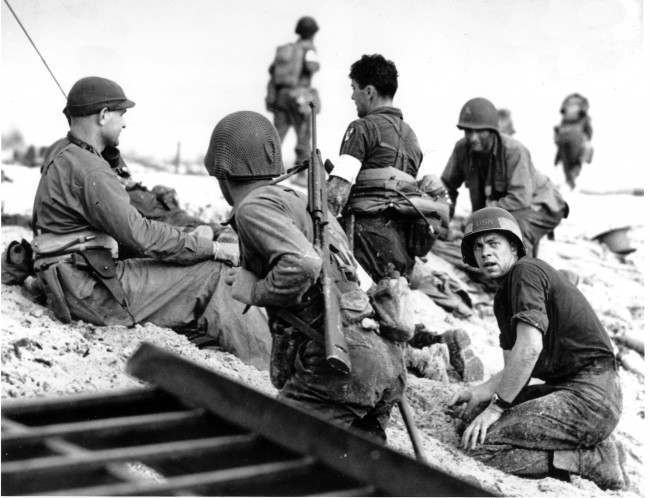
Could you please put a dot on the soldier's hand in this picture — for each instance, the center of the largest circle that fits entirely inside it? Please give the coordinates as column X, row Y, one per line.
column 477, row 430
column 463, row 403
column 230, row 275
column 204, row 231
column 226, row 252
column 338, row 191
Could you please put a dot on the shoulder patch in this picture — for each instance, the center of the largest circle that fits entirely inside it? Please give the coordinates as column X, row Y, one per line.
column 348, row 133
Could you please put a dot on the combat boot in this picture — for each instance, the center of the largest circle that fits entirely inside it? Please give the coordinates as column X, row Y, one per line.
column 602, row 464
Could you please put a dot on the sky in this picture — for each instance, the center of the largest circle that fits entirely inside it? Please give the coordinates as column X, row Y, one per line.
column 187, row 64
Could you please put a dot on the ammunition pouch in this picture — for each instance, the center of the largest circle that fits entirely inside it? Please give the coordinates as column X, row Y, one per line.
column 93, row 251
column 391, row 191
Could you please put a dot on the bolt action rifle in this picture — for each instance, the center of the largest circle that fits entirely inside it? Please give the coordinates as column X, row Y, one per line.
column 336, row 349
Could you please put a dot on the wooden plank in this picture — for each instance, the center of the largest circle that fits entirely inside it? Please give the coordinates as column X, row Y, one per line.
column 360, row 491
column 191, row 481
column 96, row 459
column 155, row 421
column 298, row 430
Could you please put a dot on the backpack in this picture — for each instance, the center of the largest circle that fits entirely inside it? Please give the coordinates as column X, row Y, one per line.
column 287, row 65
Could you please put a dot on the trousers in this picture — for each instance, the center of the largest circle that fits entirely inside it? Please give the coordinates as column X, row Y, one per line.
column 576, row 414
column 361, row 400
column 172, row 296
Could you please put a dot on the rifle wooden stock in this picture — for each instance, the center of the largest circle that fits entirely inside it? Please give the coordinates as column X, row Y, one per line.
column 336, row 349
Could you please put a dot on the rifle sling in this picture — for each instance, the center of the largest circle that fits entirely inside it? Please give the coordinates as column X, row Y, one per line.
column 299, row 324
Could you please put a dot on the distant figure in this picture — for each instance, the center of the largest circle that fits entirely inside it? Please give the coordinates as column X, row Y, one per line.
column 289, row 90
column 498, row 171
column 573, row 137
column 505, row 122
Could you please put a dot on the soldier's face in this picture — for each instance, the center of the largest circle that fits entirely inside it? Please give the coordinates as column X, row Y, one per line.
column 480, row 140
column 361, row 99
column 495, row 254
column 112, row 123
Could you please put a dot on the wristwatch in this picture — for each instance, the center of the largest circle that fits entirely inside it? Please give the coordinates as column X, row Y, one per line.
column 500, row 402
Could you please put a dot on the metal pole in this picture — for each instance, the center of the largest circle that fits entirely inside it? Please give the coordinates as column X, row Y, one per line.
column 65, row 96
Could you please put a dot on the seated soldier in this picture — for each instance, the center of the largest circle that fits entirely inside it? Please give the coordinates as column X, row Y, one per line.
column 548, row 330
column 82, row 213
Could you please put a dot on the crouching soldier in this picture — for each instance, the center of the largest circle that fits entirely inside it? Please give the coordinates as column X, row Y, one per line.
column 498, row 171
column 280, row 271
column 82, row 212
column 549, row 331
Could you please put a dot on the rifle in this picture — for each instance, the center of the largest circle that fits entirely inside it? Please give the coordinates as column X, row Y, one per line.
column 336, row 349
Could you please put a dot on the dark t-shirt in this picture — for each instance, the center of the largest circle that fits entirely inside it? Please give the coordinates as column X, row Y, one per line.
column 535, row 293
column 382, row 139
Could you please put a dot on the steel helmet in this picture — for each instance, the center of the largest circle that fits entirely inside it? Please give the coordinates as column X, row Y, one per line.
column 244, row 145
column 91, row 94
column 306, row 27
column 490, row 219
column 478, row 114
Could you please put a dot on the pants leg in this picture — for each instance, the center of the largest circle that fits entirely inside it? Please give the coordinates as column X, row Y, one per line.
column 364, row 398
column 176, row 296
column 281, row 122
column 380, row 246
column 535, row 224
column 573, row 415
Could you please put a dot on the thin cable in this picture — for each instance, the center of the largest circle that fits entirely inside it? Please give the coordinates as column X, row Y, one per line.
column 35, row 48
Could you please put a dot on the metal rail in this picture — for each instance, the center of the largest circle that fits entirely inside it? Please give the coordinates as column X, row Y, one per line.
column 198, row 433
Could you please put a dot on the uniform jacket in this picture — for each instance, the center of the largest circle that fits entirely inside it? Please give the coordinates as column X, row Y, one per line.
column 506, row 175
column 381, row 139
column 79, row 191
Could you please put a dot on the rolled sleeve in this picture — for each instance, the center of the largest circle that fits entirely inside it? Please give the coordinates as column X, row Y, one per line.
column 528, row 298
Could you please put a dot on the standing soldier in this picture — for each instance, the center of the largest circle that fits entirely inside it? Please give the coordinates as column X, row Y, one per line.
column 379, row 161
column 82, row 213
column 289, row 90
column 280, row 271
column 573, row 137
column 498, row 171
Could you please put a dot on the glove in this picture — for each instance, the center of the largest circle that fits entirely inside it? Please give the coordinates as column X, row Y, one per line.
column 338, row 192
column 226, row 252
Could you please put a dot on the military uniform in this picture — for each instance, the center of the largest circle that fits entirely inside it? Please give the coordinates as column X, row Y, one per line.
column 566, row 420
column 382, row 139
column 276, row 233
column 177, row 284
column 290, row 104
column 507, row 177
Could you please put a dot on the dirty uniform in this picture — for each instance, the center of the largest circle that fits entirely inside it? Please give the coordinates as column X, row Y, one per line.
column 276, row 232
column 579, row 404
column 381, row 139
column 507, row 175
column 176, row 284
column 290, row 105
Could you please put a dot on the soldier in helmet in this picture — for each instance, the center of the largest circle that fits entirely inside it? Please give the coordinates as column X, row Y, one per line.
column 289, row 90
column 498, row 171
column 280, row 271
column 81, row 214
column 548, row 330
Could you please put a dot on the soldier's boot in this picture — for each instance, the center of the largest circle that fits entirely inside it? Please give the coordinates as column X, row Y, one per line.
column 468, row 366
column 602, row 464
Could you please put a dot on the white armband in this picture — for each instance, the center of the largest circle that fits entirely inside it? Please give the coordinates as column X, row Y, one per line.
column 347, row 167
